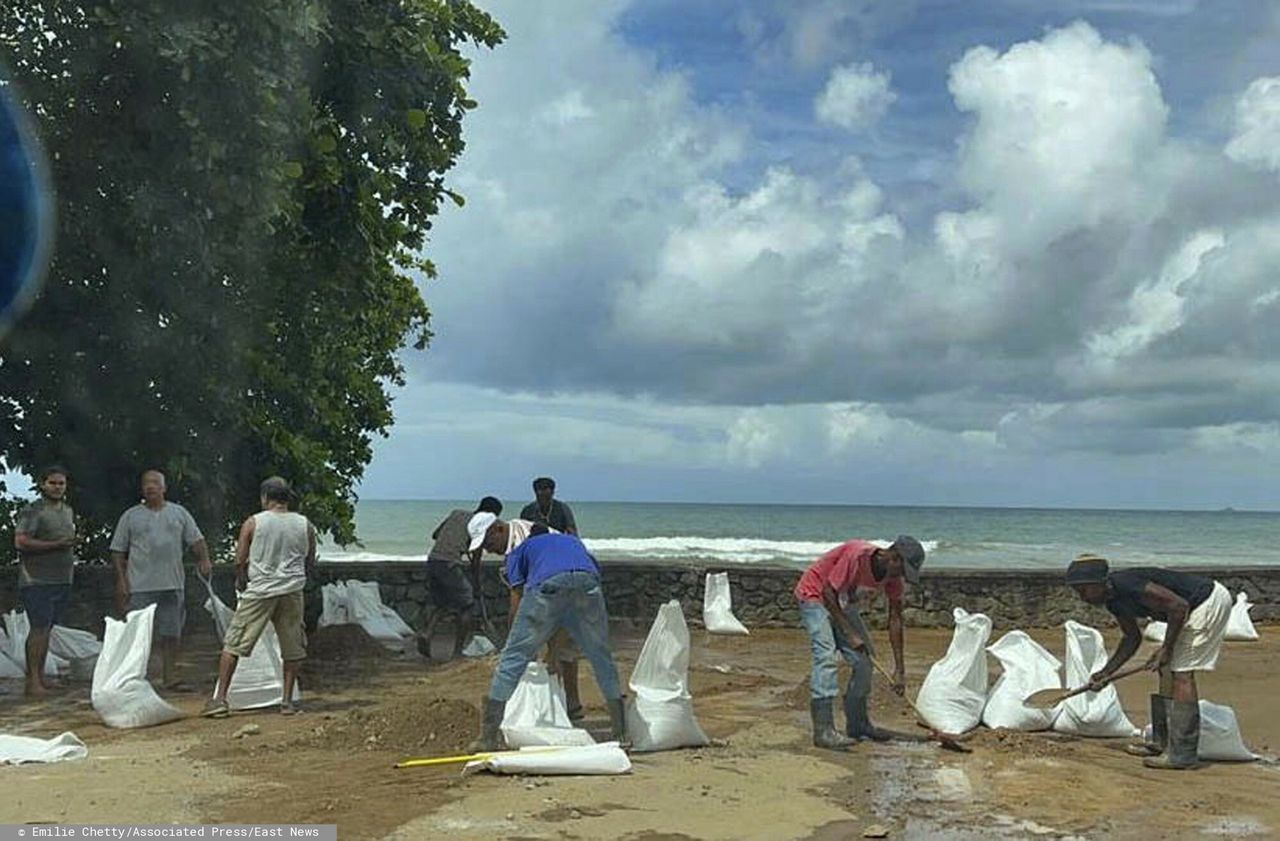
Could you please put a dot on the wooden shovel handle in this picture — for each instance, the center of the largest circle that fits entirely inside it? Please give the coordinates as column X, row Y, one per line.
column 1132, row 670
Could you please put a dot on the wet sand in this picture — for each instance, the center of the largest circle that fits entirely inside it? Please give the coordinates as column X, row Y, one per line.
column 364, row 711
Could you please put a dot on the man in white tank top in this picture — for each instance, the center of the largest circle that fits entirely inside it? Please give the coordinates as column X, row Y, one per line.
column 274, row 555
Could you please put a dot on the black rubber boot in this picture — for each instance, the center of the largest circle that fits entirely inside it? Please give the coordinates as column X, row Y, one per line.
column 618, row 723
column 1159, row 730
column 858, row 723
column 1184, row 738
column 825, row 735
column 490, row 728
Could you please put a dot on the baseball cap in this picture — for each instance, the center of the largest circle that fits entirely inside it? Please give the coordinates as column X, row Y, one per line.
column 478, row 526
column 912, row 554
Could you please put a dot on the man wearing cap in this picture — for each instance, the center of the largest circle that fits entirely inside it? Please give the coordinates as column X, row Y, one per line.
column 828, row 608
column 555, row 583
column 449, row 581
column 499, row 537
column 1196, row 610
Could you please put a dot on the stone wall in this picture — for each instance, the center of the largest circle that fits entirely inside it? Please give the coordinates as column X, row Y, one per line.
column 634, row 591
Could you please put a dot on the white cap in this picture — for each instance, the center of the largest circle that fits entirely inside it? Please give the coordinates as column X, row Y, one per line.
column 478, row 526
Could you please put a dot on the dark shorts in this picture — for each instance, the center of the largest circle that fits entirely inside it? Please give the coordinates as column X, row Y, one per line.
column 45, row 604
column 171, row 610
column 450, row 586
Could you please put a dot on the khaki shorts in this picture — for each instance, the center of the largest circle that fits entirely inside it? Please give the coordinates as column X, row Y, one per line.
column 1200, row 642
column 562, row 649
column 251, row 618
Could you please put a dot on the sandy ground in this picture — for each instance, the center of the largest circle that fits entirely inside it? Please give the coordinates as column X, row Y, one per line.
column 364, row 711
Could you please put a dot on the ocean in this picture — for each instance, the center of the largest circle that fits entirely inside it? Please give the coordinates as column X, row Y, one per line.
column 794, row 535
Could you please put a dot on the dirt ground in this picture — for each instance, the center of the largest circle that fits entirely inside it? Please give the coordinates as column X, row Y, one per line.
column 364, row 710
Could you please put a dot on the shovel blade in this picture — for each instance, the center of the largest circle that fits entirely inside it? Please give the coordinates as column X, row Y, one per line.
column 1046, row 698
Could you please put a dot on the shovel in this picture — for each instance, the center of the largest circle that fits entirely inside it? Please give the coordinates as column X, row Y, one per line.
column 944, row 740
column 1049, row 698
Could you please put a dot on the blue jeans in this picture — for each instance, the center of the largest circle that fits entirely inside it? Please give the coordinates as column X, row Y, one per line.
column 825, row 639
column 570, row 600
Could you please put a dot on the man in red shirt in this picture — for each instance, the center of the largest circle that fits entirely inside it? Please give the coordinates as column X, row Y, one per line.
column 828, row 607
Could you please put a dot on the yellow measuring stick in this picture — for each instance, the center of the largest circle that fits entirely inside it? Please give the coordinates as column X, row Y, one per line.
column 451, row 760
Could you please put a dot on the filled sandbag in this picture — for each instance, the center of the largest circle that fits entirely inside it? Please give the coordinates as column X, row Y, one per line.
column 954, row 693
column 1154, row 632
column 333, row 600
column 1220, row 739
column 21, row 750
column 660, row 710
column 1239, row 625
column 478, row 646
column 15, row 646
column 9, row 668
column 1089, row 713
column 259, row 678
column 121, row 693
column 1028, row 669
column 605, row 758
column 717, row 606
column 361, row 603
column 536, row 713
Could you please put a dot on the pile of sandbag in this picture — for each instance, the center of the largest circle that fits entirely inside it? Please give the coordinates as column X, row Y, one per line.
column 1028, row 669
column 360, row 603
column 259, row 678
column 536, row 714
column 121, row 693
column 954, row 693
column 1239, row 625
column 1090, row 713
column 660, row 710
column 717, row 606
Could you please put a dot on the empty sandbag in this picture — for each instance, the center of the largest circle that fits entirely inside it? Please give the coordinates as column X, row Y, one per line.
column 1089, row 713
column 954, row 693
column 1028, row 669
column 21, row 750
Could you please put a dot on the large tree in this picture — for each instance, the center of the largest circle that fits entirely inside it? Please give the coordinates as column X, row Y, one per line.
column 244, row 190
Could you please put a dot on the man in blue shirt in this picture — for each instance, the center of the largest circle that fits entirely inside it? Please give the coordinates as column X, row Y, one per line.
column 555, row 582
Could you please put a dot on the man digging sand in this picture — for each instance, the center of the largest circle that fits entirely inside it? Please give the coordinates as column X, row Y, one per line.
column 1196, row 610
column 828, row 607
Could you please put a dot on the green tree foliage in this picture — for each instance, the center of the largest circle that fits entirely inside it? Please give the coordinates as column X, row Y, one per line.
column 244, row 190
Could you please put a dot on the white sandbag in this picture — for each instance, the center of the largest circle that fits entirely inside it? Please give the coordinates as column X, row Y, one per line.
column 19, row 750
column 536, row 713
column 1239, row 625
column 9, row 670
column 365, row 608
column 604, row 758
column 121, row 693
column 954, row 693
column 259, row 678
column 478, row 646
column 1154, row 632
column 1220, row 739
column 717, row 606
column 660, row 710
column 15, row 645
column 1028, row 669
column 333, row 598
column 1090, row 713
column 79, row 648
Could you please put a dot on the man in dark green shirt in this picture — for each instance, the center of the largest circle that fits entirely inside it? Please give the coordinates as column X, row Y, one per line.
column 45, row 538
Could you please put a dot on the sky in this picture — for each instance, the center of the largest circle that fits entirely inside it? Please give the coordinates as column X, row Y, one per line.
column 933, row 253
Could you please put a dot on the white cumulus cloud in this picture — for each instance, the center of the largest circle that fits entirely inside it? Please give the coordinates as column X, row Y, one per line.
column 855, row 97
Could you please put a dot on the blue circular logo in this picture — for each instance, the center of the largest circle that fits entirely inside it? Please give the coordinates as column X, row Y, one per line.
column 26, row 209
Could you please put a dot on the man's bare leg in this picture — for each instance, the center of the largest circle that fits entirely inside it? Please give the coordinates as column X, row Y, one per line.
column 37, row 651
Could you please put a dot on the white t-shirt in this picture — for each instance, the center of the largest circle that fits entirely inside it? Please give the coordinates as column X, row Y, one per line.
column 278, row 554
column 155, row 540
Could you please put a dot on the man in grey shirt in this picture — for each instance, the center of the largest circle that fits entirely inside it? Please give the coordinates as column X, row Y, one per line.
column 147, row 549
column 453, row 587
column 45, row 537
